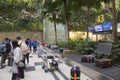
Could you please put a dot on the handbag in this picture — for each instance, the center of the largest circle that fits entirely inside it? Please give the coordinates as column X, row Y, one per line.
column 14, row 68
column 21, row 64
column 20, row 73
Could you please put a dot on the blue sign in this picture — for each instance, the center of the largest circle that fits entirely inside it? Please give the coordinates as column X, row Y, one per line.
column 107, row 26
column 91, row 29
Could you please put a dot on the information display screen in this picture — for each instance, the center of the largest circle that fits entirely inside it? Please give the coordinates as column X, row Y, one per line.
column 98, row 28
column 105, row 28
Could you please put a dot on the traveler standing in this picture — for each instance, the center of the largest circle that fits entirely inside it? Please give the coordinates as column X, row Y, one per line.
column 28, row 42
column 5, row 54
column 23, row 46
column 18, row 57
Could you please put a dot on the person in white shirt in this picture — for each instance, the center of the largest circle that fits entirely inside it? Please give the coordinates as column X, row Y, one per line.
column 18, row 57
column 23, row 47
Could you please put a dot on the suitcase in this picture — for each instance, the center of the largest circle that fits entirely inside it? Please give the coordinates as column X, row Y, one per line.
column 40, row 52
column 49, row 45
column 43, row 43
column 87, row 58
column 104, row 63
column 10, row 60
column 54, row 47
column 62, row 49
column 54, row 64
column 75, row 73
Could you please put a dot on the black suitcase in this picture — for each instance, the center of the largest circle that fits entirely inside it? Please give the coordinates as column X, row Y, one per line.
column 75, row 73
column 10, row 60
column 87, row 58
column 49, row 45
column 62, row 49
column 55, row 64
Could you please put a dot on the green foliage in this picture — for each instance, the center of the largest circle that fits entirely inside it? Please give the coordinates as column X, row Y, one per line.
column 62, row 44
column 118, row 16
column 76, row 12
column 19, row 15
column 115, row 55
column 85, row 47
column 73, row 43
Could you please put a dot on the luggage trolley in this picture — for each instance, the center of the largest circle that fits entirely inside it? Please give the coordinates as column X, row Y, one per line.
column 49, row 62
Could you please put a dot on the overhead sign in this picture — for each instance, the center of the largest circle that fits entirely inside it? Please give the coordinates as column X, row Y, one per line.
column 91, row 29
column 103, row 32
column 98, row 28
column 107, row 26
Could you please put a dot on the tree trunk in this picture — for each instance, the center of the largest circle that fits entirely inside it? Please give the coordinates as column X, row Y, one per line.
column 114, row 22
column 54, row 19
column 88, row 21
column 66, row 17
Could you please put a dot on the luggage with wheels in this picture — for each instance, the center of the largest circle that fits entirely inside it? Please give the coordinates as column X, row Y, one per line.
column 75, row 73
column 104, row 63
column 87, row 58
column 62, row 49
column 54, row 64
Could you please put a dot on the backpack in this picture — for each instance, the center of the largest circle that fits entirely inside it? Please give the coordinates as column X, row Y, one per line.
column 24, row 48
column 2, row 47
column 5, row 47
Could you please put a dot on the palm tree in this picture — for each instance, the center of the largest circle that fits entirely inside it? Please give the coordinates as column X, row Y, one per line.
column 90, row 4
column 114, row 22
column 66, row 17
column 54, row 20
column 50, row 7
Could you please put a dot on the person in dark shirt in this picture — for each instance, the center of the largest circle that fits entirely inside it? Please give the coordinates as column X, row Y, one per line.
column 28, row 42
column 5, row 54
column 34, row 45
